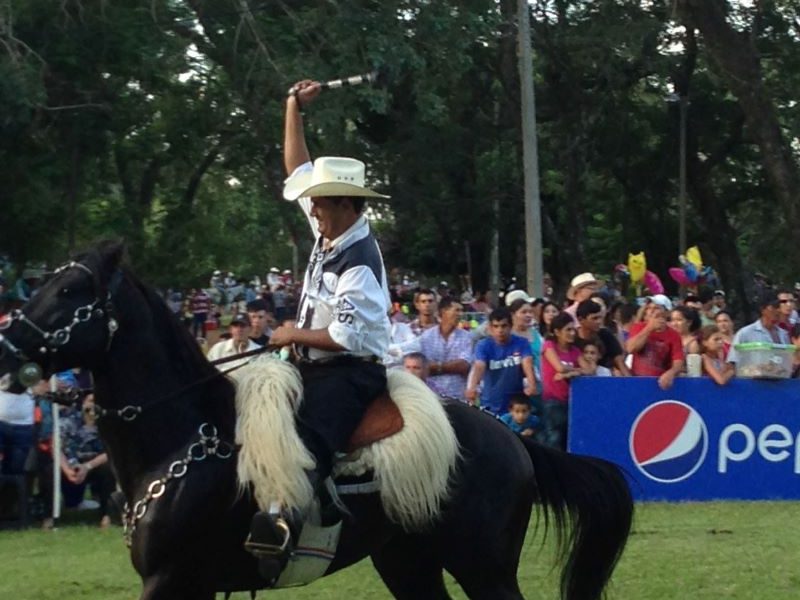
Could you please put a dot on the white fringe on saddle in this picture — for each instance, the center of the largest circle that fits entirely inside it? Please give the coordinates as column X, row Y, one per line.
column 414, row 466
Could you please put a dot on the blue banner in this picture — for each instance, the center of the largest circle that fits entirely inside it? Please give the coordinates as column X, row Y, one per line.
column 695, row 441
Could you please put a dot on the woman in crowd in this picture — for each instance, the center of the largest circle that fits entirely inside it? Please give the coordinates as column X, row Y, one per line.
column 522, row 324
column 84, row 462
column 562, row 360
column 549, row 311
column 686, row 321
column 724, row 323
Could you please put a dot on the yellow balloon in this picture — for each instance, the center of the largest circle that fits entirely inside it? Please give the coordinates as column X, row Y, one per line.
column 637, row 266
column 693, row 256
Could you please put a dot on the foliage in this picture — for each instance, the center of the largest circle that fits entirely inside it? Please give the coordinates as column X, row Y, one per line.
column 162, row 124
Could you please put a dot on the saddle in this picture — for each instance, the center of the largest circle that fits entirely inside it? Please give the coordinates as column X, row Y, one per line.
column 381, row 420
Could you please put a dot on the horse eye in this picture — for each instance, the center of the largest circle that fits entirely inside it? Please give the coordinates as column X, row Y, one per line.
column 64, row 291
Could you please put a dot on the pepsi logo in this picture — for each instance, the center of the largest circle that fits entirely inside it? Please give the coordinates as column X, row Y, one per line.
column 668, row 441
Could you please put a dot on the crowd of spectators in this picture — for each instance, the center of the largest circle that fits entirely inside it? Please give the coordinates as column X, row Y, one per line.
column 517, row 360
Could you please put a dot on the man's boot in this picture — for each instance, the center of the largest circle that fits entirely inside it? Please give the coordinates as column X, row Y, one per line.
column 274, row 534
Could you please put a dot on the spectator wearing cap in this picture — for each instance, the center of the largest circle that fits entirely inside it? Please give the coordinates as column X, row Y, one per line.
column 787, row 312
column 580, row 288
column 656, row 349
column 765, row 329
column 720, row 301
column 273, row 278
column 239, row 342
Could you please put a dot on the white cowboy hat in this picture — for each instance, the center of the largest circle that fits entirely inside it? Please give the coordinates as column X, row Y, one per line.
column 330, row 176
column 579, row 281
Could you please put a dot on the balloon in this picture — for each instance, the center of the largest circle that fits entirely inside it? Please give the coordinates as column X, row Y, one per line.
column 693, row 256
column 637, row 266
column 653, row 283
column 679, row 276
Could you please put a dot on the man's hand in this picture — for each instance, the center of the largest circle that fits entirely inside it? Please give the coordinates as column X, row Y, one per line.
column 305, row 91
column 530, row 390
column 666, row 379
column 282, row 336
column 471, row 394
column 657, row 322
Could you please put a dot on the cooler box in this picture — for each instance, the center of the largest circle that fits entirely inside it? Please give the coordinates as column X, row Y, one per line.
column 761, row 360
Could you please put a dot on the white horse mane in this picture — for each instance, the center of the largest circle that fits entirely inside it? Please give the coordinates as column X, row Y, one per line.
column 414, row 466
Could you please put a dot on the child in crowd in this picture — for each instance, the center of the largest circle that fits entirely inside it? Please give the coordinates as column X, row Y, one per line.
column 714, row 365
column 562, row 360
column 591, row 354
column 519, row 417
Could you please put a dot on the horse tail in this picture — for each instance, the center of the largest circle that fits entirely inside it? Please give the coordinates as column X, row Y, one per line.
column 589, row 498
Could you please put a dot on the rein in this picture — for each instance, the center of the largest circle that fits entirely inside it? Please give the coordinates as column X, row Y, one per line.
column 128, row 413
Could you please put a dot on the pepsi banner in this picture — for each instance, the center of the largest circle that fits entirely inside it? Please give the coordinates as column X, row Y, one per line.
column 695, row 441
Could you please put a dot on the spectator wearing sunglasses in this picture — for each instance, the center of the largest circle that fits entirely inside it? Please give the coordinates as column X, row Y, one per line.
column 766, row 329
column 788, row 314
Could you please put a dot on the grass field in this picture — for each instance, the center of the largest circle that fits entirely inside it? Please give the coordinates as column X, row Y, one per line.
column 683, row 551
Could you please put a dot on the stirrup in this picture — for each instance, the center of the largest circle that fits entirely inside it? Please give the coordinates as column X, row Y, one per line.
column 271, row 550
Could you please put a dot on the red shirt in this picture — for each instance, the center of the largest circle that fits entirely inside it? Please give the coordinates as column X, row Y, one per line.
column 658, row 353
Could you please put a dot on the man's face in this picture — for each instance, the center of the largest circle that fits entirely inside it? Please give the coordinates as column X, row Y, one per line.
column 719, row 301
column 258, row 321
column 416, row 367
column 425, row 304
column 771, row 314
column 333, row 218
column 452, row 314
column 787, row 304
column 592, row 322
column 500, row 331
column 239, row 332
column 585, row 292
column 659, row 314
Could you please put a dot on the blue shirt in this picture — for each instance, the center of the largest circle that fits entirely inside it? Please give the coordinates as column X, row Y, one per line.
column 532, row 422
column 503, row 377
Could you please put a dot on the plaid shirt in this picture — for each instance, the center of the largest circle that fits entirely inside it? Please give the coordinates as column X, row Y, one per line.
column 440, row 350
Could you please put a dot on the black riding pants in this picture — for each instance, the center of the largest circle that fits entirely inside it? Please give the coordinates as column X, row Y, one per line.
column 336, row 396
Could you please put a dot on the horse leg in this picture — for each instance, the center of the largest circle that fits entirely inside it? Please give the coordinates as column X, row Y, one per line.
column 411, row 569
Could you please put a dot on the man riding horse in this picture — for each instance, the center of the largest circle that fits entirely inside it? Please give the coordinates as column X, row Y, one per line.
column 342, row 322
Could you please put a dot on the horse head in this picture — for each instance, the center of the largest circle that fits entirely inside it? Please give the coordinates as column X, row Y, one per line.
column 70, row 321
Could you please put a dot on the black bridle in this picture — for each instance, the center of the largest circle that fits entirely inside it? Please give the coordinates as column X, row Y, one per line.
column 100, row 307
column 53, row 341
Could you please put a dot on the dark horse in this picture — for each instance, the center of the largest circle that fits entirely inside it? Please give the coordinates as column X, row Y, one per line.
column 156, row 389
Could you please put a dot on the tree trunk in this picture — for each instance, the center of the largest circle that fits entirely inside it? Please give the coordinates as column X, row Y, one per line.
column 739, row 65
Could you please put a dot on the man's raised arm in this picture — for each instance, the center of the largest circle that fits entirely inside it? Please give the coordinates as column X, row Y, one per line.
column 295, row 151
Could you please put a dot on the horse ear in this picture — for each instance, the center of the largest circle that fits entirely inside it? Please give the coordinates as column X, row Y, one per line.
column 111, row 253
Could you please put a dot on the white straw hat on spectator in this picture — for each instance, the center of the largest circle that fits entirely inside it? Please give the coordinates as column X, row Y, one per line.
column 661, row 300
column 330, row 176
column 578, row 282
column 515, row 295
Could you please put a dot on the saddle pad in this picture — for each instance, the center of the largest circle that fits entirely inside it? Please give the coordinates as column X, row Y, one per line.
column 382, row 420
